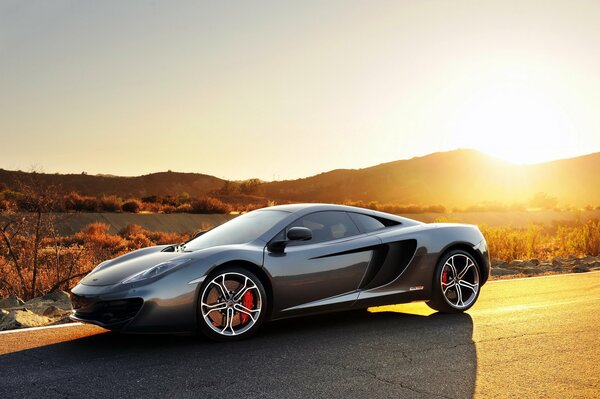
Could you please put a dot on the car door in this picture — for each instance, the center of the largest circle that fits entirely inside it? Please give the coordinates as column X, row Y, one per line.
column 323, row 273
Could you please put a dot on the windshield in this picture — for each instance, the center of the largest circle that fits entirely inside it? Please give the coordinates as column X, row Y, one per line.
column 242, row 229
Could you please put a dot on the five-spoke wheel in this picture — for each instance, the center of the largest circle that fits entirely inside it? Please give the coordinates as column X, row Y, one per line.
column 232, row 304
column 456, row 282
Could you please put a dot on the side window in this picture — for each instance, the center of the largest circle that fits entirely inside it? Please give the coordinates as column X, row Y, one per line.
column 327, row 226
column 366, row 223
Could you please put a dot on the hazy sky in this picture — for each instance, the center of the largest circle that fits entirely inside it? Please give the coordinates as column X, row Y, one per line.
column 286, row 89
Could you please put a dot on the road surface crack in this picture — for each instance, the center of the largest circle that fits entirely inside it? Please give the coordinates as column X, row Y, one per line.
column 386, row 381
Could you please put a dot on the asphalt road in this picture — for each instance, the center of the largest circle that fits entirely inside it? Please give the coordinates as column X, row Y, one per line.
column 537, row 337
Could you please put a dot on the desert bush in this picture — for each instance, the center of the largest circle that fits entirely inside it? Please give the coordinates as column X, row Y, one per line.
column 152, row 199
column 79, row 203
column 131, row 230
column 131, row 205
column 209, row 205
column 170, row 200
column 160, row 238
column 102, row 245
column 110, row 203
column 62, row 261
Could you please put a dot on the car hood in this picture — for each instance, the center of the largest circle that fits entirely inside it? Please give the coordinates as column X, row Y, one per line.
column 117, row 270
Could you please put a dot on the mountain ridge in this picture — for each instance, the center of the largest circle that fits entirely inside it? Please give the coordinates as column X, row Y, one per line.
column 455, row 178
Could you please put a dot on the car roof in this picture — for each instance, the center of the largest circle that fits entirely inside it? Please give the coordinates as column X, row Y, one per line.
column 306, row 208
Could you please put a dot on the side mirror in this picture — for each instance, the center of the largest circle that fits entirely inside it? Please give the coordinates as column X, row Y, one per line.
column 293, row 234
column 299, row 234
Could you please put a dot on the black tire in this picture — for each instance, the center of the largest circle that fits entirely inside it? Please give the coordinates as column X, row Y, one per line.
column 447, row 295
column 222, row 318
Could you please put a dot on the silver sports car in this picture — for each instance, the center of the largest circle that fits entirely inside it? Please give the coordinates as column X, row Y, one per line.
column 285, row 261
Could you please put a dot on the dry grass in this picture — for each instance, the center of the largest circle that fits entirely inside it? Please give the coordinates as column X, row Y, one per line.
column 543, row 242
column 62, row 261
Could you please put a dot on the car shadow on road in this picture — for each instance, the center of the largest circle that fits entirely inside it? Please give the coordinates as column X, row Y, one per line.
column 350, row 354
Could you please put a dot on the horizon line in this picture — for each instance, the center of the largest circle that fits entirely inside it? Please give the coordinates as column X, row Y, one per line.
column 40, row 170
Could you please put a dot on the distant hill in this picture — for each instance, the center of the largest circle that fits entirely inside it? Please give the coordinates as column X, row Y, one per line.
column 454, row 179
column 164, row 183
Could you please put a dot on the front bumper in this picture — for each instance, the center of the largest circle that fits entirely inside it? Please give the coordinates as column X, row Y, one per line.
column 113, row 314
column 165, row 305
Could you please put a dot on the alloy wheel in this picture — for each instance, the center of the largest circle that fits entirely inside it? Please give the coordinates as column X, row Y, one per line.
column 231, row 304
column 460, row 281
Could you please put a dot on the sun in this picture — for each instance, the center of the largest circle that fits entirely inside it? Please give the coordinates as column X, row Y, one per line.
column 515, row 117
column 516, row 126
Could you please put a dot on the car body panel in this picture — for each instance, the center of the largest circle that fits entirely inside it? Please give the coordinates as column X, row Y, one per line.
column 332, row 269
column 391, row 265
column 120, row 269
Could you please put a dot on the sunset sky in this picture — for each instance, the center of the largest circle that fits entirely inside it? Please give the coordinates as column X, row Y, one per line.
column 286, row 89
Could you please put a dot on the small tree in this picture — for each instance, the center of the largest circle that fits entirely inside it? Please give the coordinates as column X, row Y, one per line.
column 21, row 233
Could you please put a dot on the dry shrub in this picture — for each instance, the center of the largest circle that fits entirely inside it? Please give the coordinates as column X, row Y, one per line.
column 131, row 205
column 535, row 241
column 210, row 205
column 580, row 240
column 80, row 203
column 135, row 232
column 161, row 237
column 64, row 260
column 102, row 245
column 110, row 203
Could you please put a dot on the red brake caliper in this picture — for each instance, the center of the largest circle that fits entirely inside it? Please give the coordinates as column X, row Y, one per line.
column 445, row 277
column 247, row 302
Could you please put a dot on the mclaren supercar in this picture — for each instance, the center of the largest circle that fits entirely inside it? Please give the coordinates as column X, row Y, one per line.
column 285, row 261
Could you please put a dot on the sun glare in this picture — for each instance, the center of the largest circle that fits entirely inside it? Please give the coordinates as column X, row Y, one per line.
column 518, row 118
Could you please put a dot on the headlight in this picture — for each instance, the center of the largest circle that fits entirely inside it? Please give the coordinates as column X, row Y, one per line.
column 156, row 270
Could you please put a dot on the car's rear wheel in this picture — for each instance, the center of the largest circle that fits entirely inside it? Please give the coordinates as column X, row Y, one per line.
column 232, row 304
column 456, row 282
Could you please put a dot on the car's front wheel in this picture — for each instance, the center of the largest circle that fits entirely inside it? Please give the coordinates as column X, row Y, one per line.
column 456, row 282
column 232, row 304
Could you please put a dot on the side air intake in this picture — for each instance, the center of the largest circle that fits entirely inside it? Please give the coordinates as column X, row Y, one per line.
column 388, row 262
